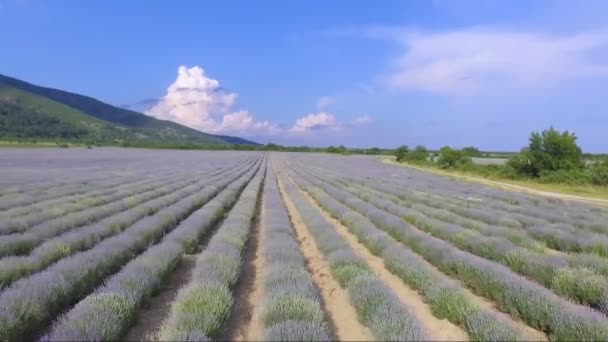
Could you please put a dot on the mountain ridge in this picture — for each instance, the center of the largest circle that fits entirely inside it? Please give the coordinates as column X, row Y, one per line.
column 26, row 110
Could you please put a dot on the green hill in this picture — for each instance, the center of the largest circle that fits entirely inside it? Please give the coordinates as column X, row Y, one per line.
column 30, row 112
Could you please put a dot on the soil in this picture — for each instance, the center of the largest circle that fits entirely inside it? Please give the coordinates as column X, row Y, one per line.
column 440, row 329
column 529, row 332
column 151, row 317
column 242, row 309
column 336, row 303
column 251, row 326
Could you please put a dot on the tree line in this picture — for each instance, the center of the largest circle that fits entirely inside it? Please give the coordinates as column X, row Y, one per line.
column 551, row 156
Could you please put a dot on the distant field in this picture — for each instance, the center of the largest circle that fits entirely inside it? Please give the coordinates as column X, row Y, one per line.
column 490, row 161
column 125, row 244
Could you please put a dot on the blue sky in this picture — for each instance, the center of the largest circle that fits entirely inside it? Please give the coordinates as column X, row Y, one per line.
column 358, row 73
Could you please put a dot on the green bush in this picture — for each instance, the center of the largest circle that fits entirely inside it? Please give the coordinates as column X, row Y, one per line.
column 473, row 152
column 450, row 158
column 549, row 151
column 599, row 173
column 571, row 177
column 419, row 154
column 401, row 152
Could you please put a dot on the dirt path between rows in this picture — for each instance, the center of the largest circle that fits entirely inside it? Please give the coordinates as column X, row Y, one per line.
column 439, row 329
column 251, row 327
column 506, row 186
column 151, row 317
column 336, row 302
column 529, row 332
column 244, row 293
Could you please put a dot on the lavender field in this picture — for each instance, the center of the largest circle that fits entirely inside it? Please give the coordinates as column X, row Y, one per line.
column 120, row 244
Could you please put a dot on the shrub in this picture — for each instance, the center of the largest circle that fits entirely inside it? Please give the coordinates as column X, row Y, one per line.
column 451, row 158
column 401, row 152
column 472, row 151
column 599, row 173
column 419, row 154
column 549, row 151
column 571, row 177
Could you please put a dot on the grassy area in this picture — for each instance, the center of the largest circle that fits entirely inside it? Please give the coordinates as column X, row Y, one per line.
column 27, row 144
column 590, row 192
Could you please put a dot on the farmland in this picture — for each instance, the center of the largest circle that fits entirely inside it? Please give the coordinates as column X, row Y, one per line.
column 111, row 244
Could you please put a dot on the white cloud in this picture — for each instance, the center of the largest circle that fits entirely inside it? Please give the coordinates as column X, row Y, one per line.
column 315, row 121
column 362, row 120
column 243, row 122
column 197, row 101
column 474, row 60
column 324, row 102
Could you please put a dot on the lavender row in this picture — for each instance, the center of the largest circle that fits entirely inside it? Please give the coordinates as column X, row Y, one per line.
column 517, row 236
column 291, row 306
column 552, row 271
column 572, row 217
column 15, row 267
column 10, row 201
column 376, row 304
column 513, row 294
column 29, row 304
column 516, row 227
column 88, row 190
column 207, row 169
column 108, row 313
column 101, row 166
column 20, row 243
column 446, row 297
column 202, row 307
column 22, row 224
column 510, row 204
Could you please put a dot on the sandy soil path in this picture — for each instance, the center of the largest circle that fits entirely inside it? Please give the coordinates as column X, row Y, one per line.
column 252, row 328
column 529, row 333
column 151, row 317
column 440, row 330
column 336, row 301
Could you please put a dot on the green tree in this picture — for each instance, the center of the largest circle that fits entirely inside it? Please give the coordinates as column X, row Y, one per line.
column 401, row 152
column 451, row 158
column 547, row 152
column 373, row 150
column 419, row 154
column 472, row 152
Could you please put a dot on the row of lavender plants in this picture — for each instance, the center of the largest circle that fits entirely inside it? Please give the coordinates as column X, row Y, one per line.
column 89, row 191
column 402, row 197
column 16, row 267
column 21, row 243
column 446, row 297
column 509, row 205
column 478, row 219
column 566, row 275
column 203, row 306
column 517, row 236
column 571, row 232
column 99, row 177
column 24, row 223
column 110, row 311
column 71, row 203
column 571, row 237
column 18, row 199
column 377, row 306
column 291, row 305
column 28, row 305
column 514, row 294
